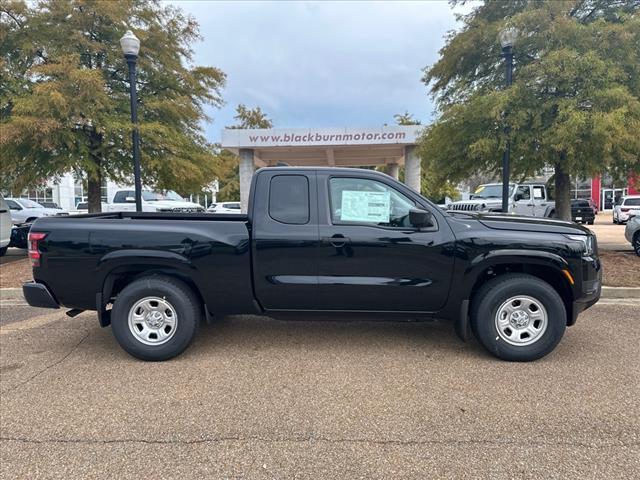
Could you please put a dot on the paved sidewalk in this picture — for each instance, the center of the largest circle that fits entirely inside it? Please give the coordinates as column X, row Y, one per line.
column 610, row 236
column 259, row 398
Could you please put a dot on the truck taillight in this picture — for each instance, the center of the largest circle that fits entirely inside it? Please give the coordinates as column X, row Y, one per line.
column 34, row 253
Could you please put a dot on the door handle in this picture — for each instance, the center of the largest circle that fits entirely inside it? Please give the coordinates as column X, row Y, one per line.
column 337, row 240
column 529, row 204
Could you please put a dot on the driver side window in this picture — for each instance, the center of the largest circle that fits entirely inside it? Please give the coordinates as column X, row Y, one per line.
column 13, row 205
column 523, row 193
column 360, row 200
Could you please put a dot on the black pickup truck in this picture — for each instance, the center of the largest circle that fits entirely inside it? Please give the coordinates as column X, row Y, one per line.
column 319, row 241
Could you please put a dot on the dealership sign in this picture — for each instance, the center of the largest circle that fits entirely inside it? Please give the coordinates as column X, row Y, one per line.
column 310, row 137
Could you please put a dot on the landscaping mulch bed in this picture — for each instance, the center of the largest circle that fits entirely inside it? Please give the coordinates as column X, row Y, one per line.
column 620, row 268
column 14, row 274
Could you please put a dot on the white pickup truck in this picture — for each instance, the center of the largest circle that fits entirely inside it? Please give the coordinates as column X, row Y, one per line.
column 528, row 199
column 152, row 201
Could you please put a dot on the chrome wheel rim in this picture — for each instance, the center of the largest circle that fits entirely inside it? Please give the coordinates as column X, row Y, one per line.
column 152, row 321
column 521, row 320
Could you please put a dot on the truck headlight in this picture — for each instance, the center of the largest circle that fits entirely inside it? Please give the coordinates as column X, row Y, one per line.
column 587, row 243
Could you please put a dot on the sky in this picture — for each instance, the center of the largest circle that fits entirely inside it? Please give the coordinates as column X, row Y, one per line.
column 321, row 64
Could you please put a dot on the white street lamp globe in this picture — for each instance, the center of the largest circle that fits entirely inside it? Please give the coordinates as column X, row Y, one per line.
column 508, row 37
column 130, row 44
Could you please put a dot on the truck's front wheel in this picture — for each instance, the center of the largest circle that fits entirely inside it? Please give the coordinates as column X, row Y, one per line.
column 518, row 317
column 155, row 318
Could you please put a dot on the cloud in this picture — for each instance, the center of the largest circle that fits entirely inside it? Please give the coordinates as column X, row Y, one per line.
column 321, row 63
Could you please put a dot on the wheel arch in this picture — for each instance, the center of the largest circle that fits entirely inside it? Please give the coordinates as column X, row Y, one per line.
column 543, row 265
column 115, row 272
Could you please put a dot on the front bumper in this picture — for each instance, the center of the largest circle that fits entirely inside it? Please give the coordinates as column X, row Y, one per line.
column 38, row 295
column 591, row 288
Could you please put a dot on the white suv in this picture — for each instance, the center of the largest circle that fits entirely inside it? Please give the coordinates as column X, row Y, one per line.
column 224, row 207
column 5, row 226
column 24, row 210
column 628, row 207
column 152, row 201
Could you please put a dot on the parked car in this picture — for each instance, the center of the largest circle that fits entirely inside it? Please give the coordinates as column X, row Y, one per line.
column 224, row 207
column 329, row 241
column 582, row 211
column 627, row 207
column 83, row 207
column 152, row 201
column 5, row 226
column 19, row 235
column 24, row 210
column 529, row 199
column 632, row 233
column 50, row 205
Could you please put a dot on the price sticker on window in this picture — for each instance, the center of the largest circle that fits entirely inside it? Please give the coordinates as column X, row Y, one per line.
column 357, row 206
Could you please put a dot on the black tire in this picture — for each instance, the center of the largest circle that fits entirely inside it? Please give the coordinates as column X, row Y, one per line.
column 188, row 311
column 636, row 243
column 487, row 301
column 552, row 214
column 590, row 222
column 3, row 251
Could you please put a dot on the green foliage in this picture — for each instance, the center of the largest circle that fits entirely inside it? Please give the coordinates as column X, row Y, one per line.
column 65, row 94
column 431, row 185
column 405, row 118
column 251, row 118
column 574, row 103
column 227, row 163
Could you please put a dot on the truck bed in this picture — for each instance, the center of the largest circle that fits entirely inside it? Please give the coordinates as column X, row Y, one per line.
column 82, row 252
column 236, row 217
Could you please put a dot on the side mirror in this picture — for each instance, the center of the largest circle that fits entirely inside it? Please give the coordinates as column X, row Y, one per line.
column 420, row 218
column 130, row 200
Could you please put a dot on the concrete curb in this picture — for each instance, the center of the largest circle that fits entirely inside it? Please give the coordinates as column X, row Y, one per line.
column 607, row 292
column 11, row 294
column 621, row 292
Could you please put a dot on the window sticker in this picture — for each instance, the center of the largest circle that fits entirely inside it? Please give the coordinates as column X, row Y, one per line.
column 360, row 206
column 538, row 193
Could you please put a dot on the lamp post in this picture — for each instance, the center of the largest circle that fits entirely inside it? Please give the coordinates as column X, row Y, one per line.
column 130, row 47
column 507, row 39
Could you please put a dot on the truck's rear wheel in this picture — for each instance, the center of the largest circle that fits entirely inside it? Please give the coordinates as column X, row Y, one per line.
column 155, row 318
column 518, row 317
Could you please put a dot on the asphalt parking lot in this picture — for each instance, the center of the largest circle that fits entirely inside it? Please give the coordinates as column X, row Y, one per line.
column 259, row 398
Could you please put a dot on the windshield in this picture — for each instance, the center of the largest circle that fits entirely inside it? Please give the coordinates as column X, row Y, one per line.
column 490, row 191
column 26, row 203
column 149, row 196
column 632, row 202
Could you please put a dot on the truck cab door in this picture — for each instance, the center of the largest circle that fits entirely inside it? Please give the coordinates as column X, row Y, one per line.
column 284, row 243
column 523, row 205
column 540, row 203
column 370, row 257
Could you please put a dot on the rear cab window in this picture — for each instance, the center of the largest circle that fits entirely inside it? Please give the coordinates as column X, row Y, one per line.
column 289, row 199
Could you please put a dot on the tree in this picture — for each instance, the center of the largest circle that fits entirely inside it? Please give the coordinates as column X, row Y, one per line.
column 227, row 162
column 405, row 118
column 70, row 110
column 574, row 103
column 431, row 185
column 251, row 118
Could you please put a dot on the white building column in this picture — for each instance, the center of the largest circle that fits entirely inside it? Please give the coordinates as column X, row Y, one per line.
column 393, row 170
column 412, row 168
column 246, row 173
